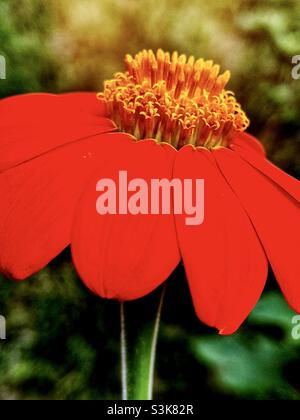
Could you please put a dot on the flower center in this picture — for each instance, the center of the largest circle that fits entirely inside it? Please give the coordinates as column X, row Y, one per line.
column 174, row 99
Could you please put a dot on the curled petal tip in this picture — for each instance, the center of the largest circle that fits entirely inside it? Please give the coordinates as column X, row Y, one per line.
column 227, row 331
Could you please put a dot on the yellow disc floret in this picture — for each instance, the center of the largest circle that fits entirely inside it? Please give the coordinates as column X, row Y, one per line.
column 174, row 99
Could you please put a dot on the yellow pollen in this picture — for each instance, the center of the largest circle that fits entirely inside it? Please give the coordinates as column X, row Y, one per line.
column 174, row 99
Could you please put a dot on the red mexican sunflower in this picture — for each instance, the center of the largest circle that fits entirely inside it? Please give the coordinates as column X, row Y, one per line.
column 54, row 149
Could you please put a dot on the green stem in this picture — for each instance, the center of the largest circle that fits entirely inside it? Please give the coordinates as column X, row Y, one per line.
column 154, row 345
column 138, row 364
column 123, row 353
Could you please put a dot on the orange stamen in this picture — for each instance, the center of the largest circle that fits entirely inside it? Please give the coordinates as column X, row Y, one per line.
column 174, row 99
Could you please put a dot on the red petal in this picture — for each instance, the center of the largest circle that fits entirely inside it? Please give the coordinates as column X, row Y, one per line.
column 84, row 101
column 285, row 181
column 247, row 143
column 126, row 256
column 224, row 261
column 275, row 216
column 31, row 125
column 38, row 200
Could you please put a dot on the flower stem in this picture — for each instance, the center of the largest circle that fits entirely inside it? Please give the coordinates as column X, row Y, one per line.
column 123, row 353
column 139, row 336
column 154, row 344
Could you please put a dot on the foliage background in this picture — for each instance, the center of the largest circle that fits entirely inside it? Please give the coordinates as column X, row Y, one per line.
column 63, row 343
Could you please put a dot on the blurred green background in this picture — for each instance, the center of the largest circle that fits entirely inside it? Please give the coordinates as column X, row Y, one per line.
column 62, row 342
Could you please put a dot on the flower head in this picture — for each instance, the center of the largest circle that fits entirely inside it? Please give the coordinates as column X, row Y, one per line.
column 174, row 99
column 166, row 117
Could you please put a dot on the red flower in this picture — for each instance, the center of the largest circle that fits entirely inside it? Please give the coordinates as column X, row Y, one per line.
column 54, row 149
